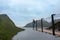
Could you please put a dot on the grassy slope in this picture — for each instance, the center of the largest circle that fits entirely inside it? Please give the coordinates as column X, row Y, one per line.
column 7, row 28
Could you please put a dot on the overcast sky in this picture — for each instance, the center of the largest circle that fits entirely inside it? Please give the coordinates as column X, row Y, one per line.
column 23, row 11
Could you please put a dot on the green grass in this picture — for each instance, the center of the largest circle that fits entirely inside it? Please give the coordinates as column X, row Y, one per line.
column 8, row 34
column 7, row 28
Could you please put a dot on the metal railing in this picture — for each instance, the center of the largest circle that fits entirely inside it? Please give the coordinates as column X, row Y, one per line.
column 50, row 21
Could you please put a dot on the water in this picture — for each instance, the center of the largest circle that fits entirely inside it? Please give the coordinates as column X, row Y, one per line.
column 30, row 34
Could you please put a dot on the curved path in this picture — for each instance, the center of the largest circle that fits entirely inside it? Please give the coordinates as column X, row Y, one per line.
column 30, row 34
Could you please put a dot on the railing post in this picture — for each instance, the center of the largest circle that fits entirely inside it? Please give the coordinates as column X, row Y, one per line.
column 53, row 26
column 33, row 23
column 36, row 25
column 42, row 24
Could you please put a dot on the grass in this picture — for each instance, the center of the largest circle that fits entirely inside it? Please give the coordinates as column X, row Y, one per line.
column 6, row 34
column 7, row 28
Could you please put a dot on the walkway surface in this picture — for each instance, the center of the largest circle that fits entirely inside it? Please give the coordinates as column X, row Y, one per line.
column 30, row 34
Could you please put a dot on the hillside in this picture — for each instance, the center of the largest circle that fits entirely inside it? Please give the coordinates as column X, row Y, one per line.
column 57, row 26
column 7, row 28
column 45, row 24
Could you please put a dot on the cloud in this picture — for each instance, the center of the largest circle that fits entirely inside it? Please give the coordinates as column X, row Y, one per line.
column 23, row 11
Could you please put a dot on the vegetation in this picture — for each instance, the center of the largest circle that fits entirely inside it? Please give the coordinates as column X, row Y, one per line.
column 7, row 28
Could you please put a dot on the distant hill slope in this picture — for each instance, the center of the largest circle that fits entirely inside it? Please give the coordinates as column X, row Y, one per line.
column 45, row 24
column 7, row 28
column 57, row 26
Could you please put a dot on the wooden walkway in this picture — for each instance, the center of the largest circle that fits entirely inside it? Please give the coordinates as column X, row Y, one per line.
column 50, row 32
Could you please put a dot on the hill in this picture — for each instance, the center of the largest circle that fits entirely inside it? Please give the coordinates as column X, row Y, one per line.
column 45, row 24
column 7, row 28
column 57, row 26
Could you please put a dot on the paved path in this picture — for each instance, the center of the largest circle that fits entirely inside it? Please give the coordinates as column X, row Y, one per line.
column 30, row 34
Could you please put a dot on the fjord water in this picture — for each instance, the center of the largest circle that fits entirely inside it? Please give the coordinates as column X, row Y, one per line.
column 30, row 34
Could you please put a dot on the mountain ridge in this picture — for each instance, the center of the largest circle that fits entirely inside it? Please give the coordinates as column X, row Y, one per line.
column 45, row 23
